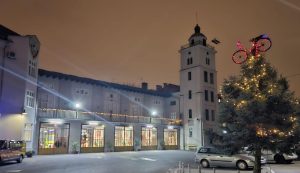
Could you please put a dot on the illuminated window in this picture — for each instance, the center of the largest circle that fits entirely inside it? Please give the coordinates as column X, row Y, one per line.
column 149, row 136
column 123, row 136
column 27, row 132
column 170, row 136
column 92, row 136
column 54, row 136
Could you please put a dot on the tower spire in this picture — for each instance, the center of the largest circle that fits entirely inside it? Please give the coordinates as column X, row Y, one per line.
column 197, row 29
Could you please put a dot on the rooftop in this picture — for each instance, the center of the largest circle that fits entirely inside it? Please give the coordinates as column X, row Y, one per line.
column 162, row 92
column 5, row 32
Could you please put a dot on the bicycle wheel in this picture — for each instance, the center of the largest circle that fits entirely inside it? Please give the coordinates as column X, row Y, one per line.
column 264, row 44
column 239, row 56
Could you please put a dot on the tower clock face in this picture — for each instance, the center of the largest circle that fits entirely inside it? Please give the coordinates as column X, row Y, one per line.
column 34, row 46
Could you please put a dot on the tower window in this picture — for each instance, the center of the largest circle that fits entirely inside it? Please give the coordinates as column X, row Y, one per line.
column 190, row 114
column 189, row 61
column 212, row 115
column 190, row 132
column 206, row 95
column 190, row 94
column 212, row 96
column 189, row 53
column 205, row 76
column 207, row 61
column 189, row 75
column 206, row 114
column 211, row 75
column 192, row 41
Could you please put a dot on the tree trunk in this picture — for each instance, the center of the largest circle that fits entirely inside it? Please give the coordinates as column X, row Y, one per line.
column 257, row 163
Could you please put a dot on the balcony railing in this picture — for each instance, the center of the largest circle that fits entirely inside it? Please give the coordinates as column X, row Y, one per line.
column 80, row 115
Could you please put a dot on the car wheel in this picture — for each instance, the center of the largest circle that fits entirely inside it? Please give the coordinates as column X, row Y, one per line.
column 279, row 158
column 20, row 159
column 204, row 163
column 242, row 165
column 288, row 161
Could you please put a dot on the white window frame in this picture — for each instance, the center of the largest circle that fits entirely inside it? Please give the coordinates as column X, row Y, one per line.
column 27, row 132
column 30, row 99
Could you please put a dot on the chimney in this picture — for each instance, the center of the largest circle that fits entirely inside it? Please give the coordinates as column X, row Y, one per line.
column 144, row 85
column 159, row 87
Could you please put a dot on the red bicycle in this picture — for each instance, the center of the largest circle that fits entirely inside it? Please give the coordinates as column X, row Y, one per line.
column 261, row 43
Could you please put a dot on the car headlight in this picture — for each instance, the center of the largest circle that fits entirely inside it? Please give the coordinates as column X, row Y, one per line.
column 248, row 160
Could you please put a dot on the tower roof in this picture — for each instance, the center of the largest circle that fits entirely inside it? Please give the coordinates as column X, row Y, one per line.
column 197, row 32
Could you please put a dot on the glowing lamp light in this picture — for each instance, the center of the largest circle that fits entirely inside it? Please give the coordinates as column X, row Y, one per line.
column 154, row 113
column 77, row 105
column 225, row 131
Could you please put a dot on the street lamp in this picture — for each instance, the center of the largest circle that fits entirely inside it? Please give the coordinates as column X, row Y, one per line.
column 77, row 106
column 153, row 113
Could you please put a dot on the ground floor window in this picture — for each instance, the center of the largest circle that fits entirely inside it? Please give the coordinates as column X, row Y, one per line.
column 53, row 135
column 149, row 136
column 123, row 136
column 170, row 136
column 92, row 136
column 27, row 132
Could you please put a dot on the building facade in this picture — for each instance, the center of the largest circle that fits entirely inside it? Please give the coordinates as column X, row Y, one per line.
column 87, row 115
column 18, row 89
column 61, row 113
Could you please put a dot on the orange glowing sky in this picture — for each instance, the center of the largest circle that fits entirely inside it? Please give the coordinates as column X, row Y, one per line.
column 129, row 41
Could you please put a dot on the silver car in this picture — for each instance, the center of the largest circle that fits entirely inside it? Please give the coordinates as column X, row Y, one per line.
column 211, row 157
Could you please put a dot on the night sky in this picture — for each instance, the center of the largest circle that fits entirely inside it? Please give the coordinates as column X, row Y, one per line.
column 128, row 41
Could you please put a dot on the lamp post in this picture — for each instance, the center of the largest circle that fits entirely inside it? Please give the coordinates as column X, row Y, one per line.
column 153, row 113
column 77, row 106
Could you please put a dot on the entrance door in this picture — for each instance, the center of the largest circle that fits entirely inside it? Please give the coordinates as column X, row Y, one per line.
column 54, row 138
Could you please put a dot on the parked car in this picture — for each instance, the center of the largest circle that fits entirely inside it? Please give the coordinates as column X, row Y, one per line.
column 9, row 154
column 211, row 157
column 276, row 156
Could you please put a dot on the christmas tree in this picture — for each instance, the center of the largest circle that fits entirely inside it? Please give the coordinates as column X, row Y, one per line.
column 257, row 110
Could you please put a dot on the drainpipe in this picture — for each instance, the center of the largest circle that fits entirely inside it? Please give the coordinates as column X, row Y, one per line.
column 2, row 68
